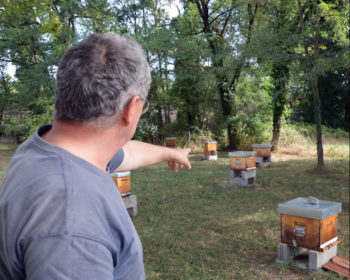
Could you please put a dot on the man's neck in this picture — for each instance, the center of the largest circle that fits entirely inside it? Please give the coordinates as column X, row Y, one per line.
column 96, row 146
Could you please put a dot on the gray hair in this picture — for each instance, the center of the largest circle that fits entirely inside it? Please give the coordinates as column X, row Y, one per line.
column 98, row 76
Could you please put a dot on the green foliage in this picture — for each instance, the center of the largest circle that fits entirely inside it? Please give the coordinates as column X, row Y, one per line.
column 25, row 124
column 148, row 127
column 304, row 133
column 225, row 74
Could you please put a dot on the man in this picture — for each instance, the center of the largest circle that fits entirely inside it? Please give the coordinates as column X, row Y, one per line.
column 61, row 216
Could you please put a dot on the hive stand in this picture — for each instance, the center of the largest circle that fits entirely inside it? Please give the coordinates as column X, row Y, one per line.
column 213, row 155
column 263, row 161
column 314, row 259
column 130, row 203
column 243, row 177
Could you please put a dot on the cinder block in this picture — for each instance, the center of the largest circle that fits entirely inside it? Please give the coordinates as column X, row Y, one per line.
column 133, row 211
column 243, row 178
column 318, row 259
column 130, row 203
column 314, row 261
column 263, row 161
column 285, row 253
column 248, row 173
column 210, row 157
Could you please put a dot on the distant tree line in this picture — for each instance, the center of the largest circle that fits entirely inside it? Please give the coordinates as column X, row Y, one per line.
column 233, row 68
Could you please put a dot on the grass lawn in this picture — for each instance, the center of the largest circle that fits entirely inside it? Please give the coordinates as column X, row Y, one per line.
column 195, row 225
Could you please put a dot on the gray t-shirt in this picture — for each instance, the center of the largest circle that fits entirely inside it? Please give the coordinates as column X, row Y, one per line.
column 63, row 218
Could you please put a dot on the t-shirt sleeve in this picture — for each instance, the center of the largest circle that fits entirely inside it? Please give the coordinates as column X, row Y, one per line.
column 67, row 258
column 116, row 160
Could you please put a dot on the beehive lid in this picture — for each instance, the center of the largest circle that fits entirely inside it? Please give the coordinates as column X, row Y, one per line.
column 120, row 174
column 209, row 142
column 262, row 146
column 170, row 138
column 242, row 154
column 304, row 207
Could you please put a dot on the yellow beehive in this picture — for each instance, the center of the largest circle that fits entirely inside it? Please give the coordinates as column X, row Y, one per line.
column 210, row 146
column 242, row 160
column 262, row 150
column 170, row 142
column 122, row 181
column 308, row 225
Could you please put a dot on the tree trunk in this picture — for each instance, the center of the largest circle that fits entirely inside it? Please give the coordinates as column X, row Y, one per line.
column 280, row 74
column 226, row 100
column 310, row 67
column 317, row 112
column 216, row 41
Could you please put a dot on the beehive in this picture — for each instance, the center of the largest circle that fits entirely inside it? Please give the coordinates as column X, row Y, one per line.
column 210, row 146
column 122, row 181
column 170, row 142
column 309, row 223
column 262, row 150
column 242, row 160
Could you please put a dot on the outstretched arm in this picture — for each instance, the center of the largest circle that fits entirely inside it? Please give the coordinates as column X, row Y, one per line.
column 139, row 154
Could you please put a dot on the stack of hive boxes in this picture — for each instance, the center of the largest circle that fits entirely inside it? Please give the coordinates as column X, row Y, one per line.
column 243, row 168
column 210, row 150
column 122, row 181
column 263, row 154
column 310, row 226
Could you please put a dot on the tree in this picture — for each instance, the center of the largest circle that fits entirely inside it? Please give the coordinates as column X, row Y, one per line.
column 319, row 21
column 216, row 18
column 281, row 59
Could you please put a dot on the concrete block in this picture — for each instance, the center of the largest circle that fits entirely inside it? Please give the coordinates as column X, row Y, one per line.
column 133, row 211
column 304, row 258
column 243, row 178
column 130, row 203
column 210, row 157
column 285, row 253
column 248, row 173
column 318, row 259
column 263, row 161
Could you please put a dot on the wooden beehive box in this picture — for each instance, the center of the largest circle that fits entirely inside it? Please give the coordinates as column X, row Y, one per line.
column 306, row 224
column 262, row 150
column 210, row 146
column 170, row 142
column 122, row 181
column 242, row 160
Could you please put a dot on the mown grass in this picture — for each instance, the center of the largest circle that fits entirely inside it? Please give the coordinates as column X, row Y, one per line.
column 196, row 225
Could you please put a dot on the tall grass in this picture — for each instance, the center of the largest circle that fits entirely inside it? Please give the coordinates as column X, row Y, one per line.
column 295, row 138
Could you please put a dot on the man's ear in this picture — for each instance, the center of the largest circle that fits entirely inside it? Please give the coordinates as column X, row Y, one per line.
column 130, row 110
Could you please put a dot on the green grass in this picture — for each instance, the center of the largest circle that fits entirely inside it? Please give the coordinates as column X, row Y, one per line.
column 195, row 225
